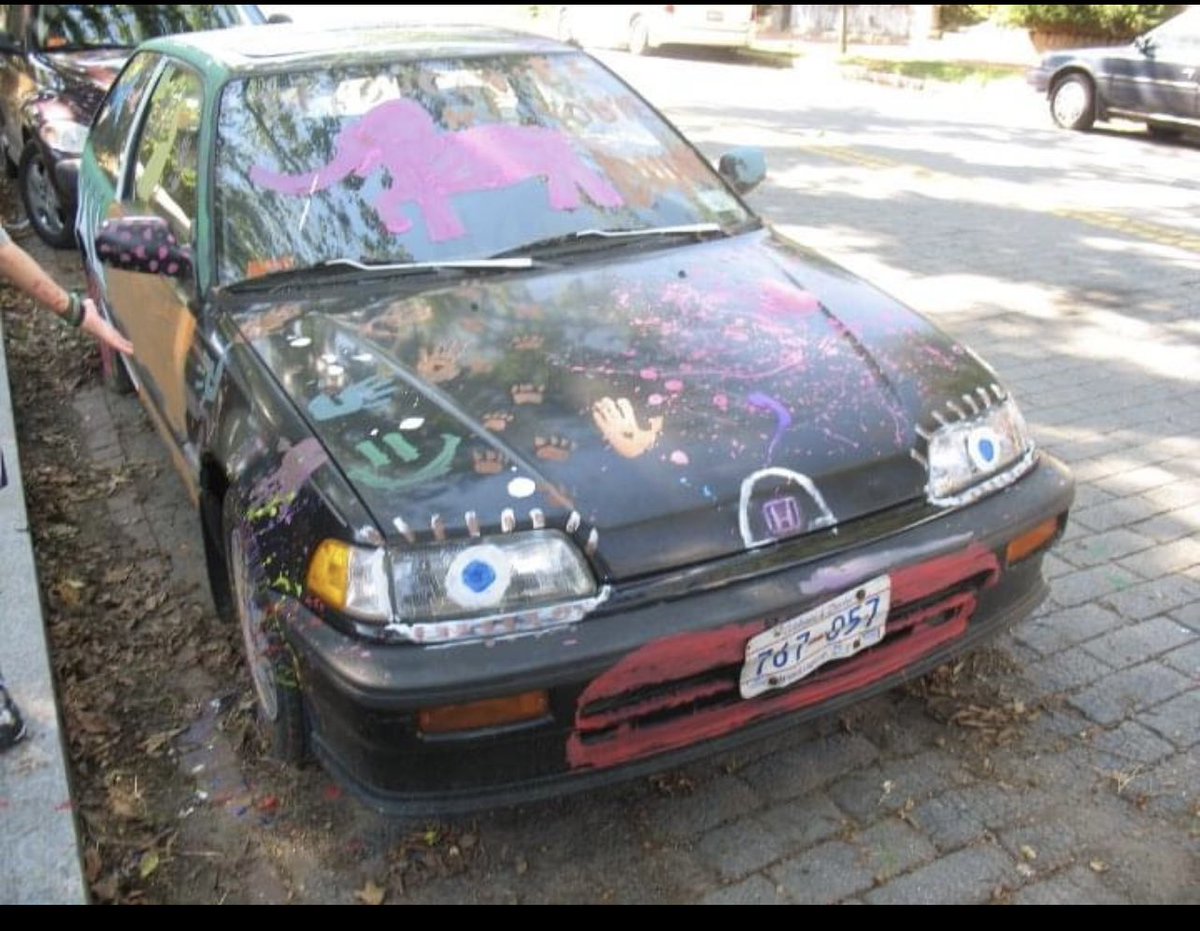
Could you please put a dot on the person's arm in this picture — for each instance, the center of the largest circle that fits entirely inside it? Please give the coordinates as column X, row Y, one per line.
column 18, row 267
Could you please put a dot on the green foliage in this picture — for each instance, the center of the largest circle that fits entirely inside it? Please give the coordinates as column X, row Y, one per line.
column 958, row 15
column 1115, row 21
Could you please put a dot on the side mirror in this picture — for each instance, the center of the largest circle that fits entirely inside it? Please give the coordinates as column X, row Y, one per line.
column 1144, row 44
column 143, row 244
column 279, row 18
column 744, row 168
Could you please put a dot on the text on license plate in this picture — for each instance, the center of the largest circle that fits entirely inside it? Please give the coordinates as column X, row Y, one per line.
column 833, row 630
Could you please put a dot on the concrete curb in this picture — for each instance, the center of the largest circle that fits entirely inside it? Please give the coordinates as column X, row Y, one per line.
column 40, row 861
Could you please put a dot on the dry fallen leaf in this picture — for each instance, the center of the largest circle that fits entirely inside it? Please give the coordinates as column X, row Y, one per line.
column 1028, row 852
column 149, row 863
column 1099, row 866
column 371, row 894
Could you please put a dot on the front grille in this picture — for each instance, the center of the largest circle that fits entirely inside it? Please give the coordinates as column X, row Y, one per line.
column 684, row 689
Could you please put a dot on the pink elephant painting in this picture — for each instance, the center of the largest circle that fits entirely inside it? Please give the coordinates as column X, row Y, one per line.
column 429, row 166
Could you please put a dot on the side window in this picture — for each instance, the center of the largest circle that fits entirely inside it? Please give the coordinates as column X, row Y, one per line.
column 111, row 125
column 166, row 162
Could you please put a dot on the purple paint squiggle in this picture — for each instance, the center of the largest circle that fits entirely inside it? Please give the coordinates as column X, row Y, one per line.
column 783, row 419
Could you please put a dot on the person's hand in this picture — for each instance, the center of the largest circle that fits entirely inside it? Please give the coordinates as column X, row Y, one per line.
column 103, row 331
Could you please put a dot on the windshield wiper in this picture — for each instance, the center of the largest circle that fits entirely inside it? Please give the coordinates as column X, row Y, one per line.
column 494, row 263
column 696, row 231
column 337, row 268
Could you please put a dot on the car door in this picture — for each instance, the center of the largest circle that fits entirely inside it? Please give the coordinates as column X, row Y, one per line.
column 159, row 313
column 1160, row 74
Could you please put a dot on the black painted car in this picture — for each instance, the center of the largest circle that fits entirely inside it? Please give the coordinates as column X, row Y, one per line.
column 527, row 457
column 1155, row 80
column 56, row 62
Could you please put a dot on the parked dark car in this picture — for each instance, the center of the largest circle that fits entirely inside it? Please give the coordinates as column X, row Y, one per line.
column 56, row 62
column 1156, row 80
column 527, row 458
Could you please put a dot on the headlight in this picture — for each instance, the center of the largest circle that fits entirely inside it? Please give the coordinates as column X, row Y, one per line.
column 352, row 579
column 65, row 136
column 978, row 454
column 452, row 591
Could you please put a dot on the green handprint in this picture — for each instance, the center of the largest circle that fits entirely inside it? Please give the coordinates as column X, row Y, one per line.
column 365, row 395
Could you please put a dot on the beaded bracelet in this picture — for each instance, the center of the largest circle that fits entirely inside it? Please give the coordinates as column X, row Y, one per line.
column 74, row 314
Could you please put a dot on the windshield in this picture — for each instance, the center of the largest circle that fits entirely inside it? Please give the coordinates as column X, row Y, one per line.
column 439, row 160
column 80, row 26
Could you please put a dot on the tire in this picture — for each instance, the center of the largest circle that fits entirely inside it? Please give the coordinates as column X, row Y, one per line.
column 1073, row 102
column 279, row 705
column 639, row 37
column 42, row 205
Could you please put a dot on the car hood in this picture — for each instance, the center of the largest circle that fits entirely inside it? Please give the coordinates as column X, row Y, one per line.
column 87, row 75
column 664, row 409
column 1059, row 58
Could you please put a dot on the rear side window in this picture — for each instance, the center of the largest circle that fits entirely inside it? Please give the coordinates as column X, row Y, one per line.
column 110, row 129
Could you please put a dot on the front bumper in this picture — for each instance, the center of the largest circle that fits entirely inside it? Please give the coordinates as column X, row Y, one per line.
column 1038, row 79
column 655, row 683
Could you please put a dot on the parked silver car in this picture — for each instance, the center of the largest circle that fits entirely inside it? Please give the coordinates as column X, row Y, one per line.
column 1155, row 79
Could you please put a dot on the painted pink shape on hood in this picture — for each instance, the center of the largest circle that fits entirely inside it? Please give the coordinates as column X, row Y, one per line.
column 428, row 166
column 778, row 299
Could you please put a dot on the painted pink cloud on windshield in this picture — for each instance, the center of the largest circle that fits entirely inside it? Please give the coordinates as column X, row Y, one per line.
column 428, row 166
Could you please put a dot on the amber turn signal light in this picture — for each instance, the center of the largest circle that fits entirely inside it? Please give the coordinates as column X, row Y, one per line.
column 1032, row 541
column 491, row 712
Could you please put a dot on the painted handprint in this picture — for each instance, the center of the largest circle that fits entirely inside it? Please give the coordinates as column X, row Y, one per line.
column 440, row 363
column 528, row 394
column 618, row 422
column 497, row 421
column 487, row 461
column 553, row 448
column 365, row 395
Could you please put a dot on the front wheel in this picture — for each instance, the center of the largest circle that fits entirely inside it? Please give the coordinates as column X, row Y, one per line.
column 1073, row 102
column 42, row 204
column 273, row 671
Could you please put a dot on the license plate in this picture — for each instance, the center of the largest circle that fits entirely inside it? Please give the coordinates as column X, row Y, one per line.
column 836, row 629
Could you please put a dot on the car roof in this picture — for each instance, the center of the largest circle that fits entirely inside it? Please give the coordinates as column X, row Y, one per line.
column 289, row 47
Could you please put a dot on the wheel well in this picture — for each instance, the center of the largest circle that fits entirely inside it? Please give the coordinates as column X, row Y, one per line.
column 1068, row 73
column 214, row 484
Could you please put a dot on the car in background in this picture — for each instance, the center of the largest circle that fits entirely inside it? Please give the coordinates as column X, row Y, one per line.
column 1155, row 80
column 641, row 29
column 527, row 457
column 56, row 62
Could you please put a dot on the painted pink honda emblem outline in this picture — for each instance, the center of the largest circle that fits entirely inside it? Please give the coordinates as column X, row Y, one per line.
column 428, row 166
column 782, row 516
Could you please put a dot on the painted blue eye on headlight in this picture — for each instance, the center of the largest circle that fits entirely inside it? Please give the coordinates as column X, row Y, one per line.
column 978, row 455
column 983, row 446
column 478, row 577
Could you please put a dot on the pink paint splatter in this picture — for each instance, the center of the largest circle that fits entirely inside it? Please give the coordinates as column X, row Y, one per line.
column 778, row 298
column 674, row 385
column 679, row 457
column 655, row 400
column 721, row 401
column 649, row 374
